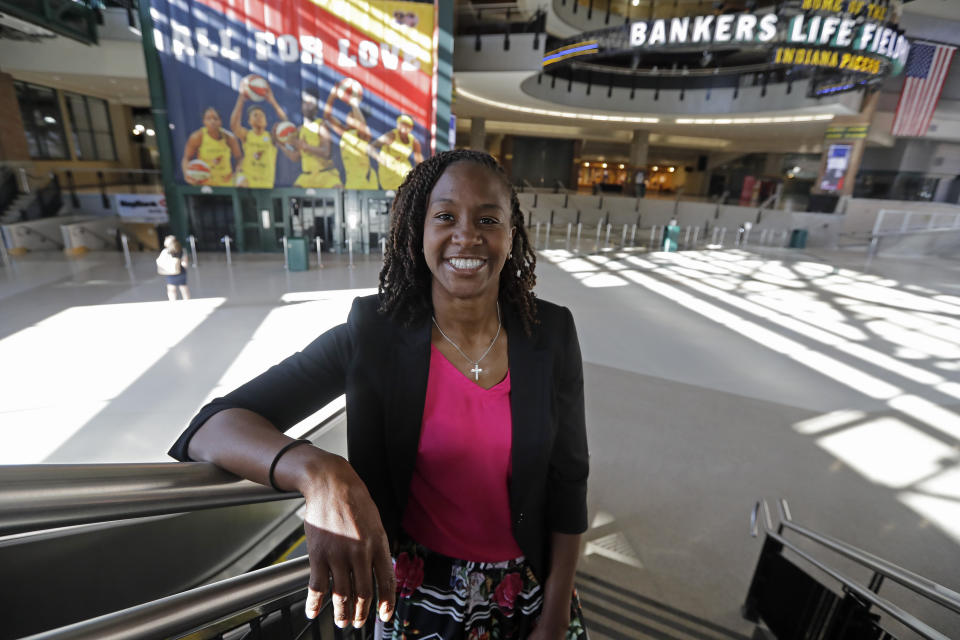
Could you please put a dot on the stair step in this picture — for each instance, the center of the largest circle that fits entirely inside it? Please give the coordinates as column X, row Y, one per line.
column 614, row 612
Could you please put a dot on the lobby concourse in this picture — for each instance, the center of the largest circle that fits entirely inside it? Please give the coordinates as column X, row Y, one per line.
column 713, row 378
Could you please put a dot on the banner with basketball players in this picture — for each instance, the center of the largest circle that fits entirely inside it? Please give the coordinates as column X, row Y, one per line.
column 307, row 93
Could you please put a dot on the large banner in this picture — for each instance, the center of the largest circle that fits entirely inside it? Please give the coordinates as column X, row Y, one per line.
column 307, row 93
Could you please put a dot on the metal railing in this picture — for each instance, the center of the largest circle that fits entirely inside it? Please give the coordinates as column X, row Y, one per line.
column 867, row 595
column 910, row 223
column 37, row 498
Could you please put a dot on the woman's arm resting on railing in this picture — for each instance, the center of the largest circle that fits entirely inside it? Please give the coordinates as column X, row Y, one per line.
column 345, row 536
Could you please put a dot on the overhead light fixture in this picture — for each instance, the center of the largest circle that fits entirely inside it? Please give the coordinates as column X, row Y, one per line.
column 671, row 169
column 656, row 168
column 621, row 165
column 604, row 165
column 49, row 119
column 151, row 132
column 586, row 164
column 596, row 117
column 759, row 120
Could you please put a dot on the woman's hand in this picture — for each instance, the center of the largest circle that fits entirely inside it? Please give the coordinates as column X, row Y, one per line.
column 345, row 539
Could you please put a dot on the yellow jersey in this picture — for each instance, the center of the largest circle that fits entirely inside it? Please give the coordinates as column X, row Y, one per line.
column 259, row 160
column 310, row 134
column 394, row 160
column 216, row 153
column 356, row 162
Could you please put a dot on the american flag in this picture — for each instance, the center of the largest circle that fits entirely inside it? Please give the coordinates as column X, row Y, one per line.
column 927, row 66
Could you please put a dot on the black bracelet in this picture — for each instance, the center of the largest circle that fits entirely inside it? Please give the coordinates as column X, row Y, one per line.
column 276, row 459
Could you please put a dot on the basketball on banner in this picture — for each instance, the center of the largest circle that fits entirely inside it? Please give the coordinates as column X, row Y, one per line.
column 350, row 92
column 254, row 87
column 325, row 98
column 286, row 132
column 198, row 170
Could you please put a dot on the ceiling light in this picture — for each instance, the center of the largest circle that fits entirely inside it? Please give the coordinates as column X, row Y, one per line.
column 671, row 169
column 621, row 166
column 151, row 132
column 635, row 3
column 604, row 165
column 656, row 168
column 556, row 114
column 586, row 164
column 49, row 119
column 760, row 120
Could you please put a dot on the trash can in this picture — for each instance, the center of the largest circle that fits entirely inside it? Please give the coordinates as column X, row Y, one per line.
column 671, row 238
column 297, row 254
column 798, row 239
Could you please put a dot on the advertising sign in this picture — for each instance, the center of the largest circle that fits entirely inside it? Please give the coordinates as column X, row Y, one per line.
column 142, row 207
column 838, row 159
column 306, row 93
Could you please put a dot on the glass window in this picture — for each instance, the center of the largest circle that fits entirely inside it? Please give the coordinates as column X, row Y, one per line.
column 92, row 132
column 42, row 121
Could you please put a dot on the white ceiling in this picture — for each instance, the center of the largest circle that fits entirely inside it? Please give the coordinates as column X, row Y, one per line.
column 944, row 9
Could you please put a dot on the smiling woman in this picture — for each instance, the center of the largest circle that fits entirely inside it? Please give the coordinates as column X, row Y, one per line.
column 466, row 429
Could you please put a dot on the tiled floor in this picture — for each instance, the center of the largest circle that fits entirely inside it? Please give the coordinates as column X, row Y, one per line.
column 713, row 379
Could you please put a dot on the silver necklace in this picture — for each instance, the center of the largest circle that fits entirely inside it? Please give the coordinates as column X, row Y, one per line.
column 476, row 370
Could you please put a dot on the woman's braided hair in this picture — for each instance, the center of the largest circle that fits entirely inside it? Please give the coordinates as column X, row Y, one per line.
column 405, row 280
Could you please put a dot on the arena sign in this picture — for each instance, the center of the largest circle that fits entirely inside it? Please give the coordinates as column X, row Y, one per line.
column 846, row 35
column 305, row 93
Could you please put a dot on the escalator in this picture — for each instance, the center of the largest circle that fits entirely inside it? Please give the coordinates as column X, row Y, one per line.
column 56, row 577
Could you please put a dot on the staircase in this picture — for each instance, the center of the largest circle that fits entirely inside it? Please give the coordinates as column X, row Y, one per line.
column 13, row 212
column 615, row 613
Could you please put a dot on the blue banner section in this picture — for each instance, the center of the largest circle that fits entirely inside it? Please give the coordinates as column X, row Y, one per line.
column 276, row 93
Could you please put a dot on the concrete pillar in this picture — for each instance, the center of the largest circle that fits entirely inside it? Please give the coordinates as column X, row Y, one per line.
column 639, row 148
column 506, row 156
column 13, row 140
column 478, row 134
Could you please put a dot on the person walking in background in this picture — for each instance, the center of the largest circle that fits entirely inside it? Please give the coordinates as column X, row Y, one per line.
column 313, row 149
column 355, row 136
column 395, row 147
column 172, row 263
column 259, row 165
column 216, row 147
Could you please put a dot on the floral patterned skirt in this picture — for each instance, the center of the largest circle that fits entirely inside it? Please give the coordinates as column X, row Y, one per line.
column 442, row 598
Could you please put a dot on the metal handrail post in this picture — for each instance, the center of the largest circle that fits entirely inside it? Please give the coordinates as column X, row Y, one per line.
column 4, row 256
column 286, row 257
column 319, row 257
column 193, row 250
column 569, row 231
column 126, row 251
column 350, row 252
column 226, row 242
column 579, row 230
column 596, row 246
column 546, row 237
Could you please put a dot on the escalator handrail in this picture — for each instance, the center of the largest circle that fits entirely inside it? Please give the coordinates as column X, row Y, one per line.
column 190, row 610
column 45, row 496
column 908, row 620
column 915, row 582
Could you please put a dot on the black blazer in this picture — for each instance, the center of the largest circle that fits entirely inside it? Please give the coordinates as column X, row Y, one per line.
column 382, row 367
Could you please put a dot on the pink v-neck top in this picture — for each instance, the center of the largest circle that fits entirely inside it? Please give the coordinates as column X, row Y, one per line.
column 459, row 502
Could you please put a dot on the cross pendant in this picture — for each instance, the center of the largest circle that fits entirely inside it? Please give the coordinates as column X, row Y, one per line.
column 476, row 371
